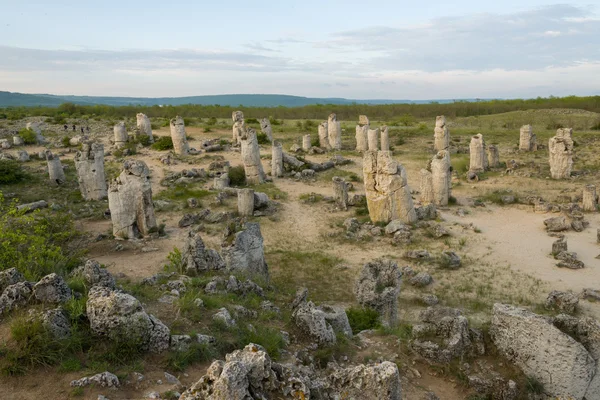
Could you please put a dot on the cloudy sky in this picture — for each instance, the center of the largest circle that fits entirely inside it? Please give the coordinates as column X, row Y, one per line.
column 318, row 48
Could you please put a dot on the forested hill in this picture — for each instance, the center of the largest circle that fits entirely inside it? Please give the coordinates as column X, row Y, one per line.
column 8, row 99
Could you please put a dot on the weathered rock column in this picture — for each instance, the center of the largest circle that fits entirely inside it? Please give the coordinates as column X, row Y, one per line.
column 527, row 140
column 340, row 193
column 144, row 126
column 55, row 168
column 306, row 143
column 277, row 160
column 441, row 137
column 560, row 148
column 387, row 192
column 362, row 130
column 251, row 158
column 373, row 139
column 37, row 128
column 89, row 163
column 238, row 126
column 121, row 135
column 246, row 202
column 221, row 182
column 590, row 202
column 265, row 127
column 493, row 156
column 130, row 201
column 385, row 138
column 478, row 156
column 323, row 136
column 440, row 168
column 180, row 144
column 426, row 187
column 334, row 132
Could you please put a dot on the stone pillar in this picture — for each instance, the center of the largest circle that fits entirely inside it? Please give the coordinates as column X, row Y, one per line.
column 144, row 126
column 265, row 127
column 89, row 163
column 246, row 202
column 527, row 140
column 560, row 149
column 373, row 139
column 37, row 128
column 589, row 198
column 18, row 141
column 493, row 156
column 130, row 202
column 387, row 192
column 440, row 169
column 121, row 136
column 306, row 143
column 221, row 182
column 334, row 132
column 180, row 144
column 340, row 193
column 426, row 188
column 238, row 126
column 385, row 138
column 441, row 137
column 55, row 168
column 362, row 130
column 251, row 158
column 323, row 136
column 277, row 160
column 478, row 156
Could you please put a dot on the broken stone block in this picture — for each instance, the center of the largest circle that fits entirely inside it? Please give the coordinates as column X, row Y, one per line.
column 197, row 258
column 55, row 168
column 340, row 193
column 385, row 138
column 378, row 287
column 245, row 199
column 527, row 140
column 562, row 301
column 373, row 139
column 121, row 136
column 245, row 254
column 590, row 200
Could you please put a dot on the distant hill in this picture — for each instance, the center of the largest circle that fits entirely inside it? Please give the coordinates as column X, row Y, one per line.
column 9, row 99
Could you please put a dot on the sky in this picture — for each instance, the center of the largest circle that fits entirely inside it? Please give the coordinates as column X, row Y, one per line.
column 329, row 48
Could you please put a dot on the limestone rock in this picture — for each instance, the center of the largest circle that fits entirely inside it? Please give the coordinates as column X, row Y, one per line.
column 56, row 172
column 55, row 321
column 52, row 288
column 561, row 364
column 338, row 319
column 365, row 382
column 89, row 163
column 450, row 260
column 197, row 258
column 560, row 148
column 362, row 137
column 590, row 200
column 121, row 136
column 246, row 254
column 441, row 137
column 378, row 287
column 440, row 178
column 224, row 317
column 311, row 320
column 385, row 138
column 277, row 160
column 478, row 155
column 340, row 193
column 104, row 379
column 334, row 132
column 15, row 296
column 563, row 301
column 421, row 279
column 251, row 157
column 178, row 135
column 144, row 126
column 10, row 277
column 324, row 135
column 94, row 275
column 557, row 224
column 493, row 156
column 373, row 139
column 527, row 140
column 265, row 127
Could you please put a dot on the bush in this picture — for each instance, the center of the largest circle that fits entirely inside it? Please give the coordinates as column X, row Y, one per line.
column 362, row 318
column 262, row 138
column 144, row 140
column 237, row 176
column 274, row 121
column 251, row 121
column 11, row 171
column 29, row 137
column 66, row 141
column 180, row 360
column 163, row 143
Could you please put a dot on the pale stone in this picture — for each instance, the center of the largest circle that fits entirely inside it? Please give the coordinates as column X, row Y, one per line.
column 363, row 120
column 334, row 132
column 144, row 126
column 440, row 169
column 590, row 202
column 238, row 126
column 387, row 192
column 340, row 192
column 265, row 127
column 55, row 168
column 493, row 156
column 121, row 135
column 221, row 182
column 378, row 287
column 373, row 139
column 323, row 135
column 560, row 148
column 306, row 143
column 277, row 160
column 89, row 163
column 385, row 138
column 361, row 137
column 251, row 158
column 130, row 201
column 478, row 156
column 180, row 144
column 18, row 141
column 426, row 188
column 37, row 128
column 245, row 199
column 441, row 137
column 527, row 140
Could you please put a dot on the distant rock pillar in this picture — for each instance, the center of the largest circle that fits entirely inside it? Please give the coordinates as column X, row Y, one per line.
column 277, row 160
column 362, row 130
column 340, row 193
column 373, row 139
column 255, row 174
column 426, row 187
column 324, row 136
column 527, row 140
column 265, row 127
column 306, row 143
column 441, row 137
column 478, row 156
column 180, row 144
column 55, row 168
column 440, row 168
column 385, row 138
column 560, row 149
column 238, row 126
column 121, row 135
column 493, row 156
column 144, row 126
column 334, row 132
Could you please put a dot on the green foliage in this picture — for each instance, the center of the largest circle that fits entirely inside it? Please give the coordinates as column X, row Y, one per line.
column 267, row 337
column 130, row 146
column 70, row 365
column 38, row 243
column 237, row 176
column 11, row 171
column 495, row 196
column 180, row 360
column 144, row 140
column 327, row 354
column 262, row 138
column 362, row 319
column 274, row 121
column 251, row 121
column 175, row 261
column 404, row 120
column 182, row 192
column 163, row 143
column 29, row 137
column 66, row 141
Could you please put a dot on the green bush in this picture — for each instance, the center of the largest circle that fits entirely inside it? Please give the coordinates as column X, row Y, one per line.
column 29, row 137
column 237, row 175
column 66, row 141
column 251, row 121
column 180, row 360
column 262, row 138
column 163, row 143
column 144, row 140
column 362, row 319
column 274, row 121
column 11, row 171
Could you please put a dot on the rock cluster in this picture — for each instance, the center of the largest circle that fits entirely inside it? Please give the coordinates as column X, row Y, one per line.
column 378, row 287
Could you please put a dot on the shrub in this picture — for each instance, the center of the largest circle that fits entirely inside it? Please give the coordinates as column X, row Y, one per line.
column 251, row 121
column 144, row 140
column 274, row 121
column 11, row 171
column 237, row 175
column 262, row 138
column 180, row 360
column 211, row 121
column 175, row 261
column 29, row 137
column 163, row 143
column 362, row 318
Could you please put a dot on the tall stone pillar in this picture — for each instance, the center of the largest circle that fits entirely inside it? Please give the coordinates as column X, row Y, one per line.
column 251, row 158
column 55, row 168
column 441, row 136
column 324, row 136
column 334, row 132
column 277, row 160
column 478, row 155
column 560, row 148
column 385, row 138
column 340, row 193
column 265, row 127
column 362, row 130
column 144, row 126
column 89, row 163
column 121, row 135
column 373, row 139
column 180, row 144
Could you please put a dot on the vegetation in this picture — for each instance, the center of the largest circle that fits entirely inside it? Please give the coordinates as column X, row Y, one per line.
column 237, row 176
column 11, row 171
column 362, row 319
column 29, row 137
column 163, row 143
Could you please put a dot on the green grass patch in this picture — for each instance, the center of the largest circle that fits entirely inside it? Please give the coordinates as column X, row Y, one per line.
column 162, row 143
column 362, row 319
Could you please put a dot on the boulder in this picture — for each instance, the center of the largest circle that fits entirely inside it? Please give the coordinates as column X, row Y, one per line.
column 52, row 289
column 245, row 254
column 378, row 287
column 197, row 258
column 94, row 275
column 562, row 301
column 104, row 379
column 15, row 296
column 312, row 322
column 9, row 277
